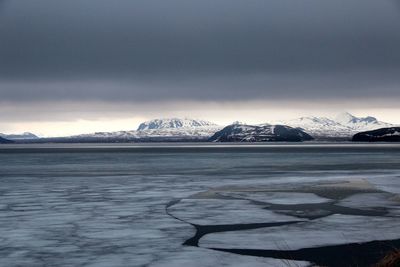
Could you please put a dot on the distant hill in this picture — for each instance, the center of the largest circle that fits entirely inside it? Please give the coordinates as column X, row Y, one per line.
column 22, row 136
column 344, row 125
column 5, row 141
column 260, row 133
column 391, row 134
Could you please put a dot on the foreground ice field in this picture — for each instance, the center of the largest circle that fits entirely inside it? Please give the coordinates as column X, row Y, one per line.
column 196, row 206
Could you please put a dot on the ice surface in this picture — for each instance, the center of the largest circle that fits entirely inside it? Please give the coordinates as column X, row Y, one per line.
column 287, row 198
column 74, row 225
column 387, row 201
column 371, row 200
column 199, row 257
column 224, row 211
column 92, row 207
column 388, row 183
column 331, row 230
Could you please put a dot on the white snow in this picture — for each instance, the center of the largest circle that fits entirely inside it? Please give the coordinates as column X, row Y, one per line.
column 395, row 133
column 169, row 123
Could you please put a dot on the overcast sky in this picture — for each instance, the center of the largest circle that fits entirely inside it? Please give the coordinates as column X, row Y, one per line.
column 89, row 65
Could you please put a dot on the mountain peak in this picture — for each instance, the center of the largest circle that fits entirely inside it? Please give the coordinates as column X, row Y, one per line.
column 346, row 118
column 173, row 123
column 238, row 123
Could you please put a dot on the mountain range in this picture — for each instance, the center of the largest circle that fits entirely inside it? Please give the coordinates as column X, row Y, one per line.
column 168, row 129
column 341, row 127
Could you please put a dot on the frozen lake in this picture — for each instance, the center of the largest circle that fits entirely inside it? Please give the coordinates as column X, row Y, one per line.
column 197, row 204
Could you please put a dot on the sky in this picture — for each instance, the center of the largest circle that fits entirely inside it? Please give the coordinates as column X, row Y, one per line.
column 80, row 66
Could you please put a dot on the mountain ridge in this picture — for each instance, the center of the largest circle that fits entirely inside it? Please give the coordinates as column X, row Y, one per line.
column 344, row 125
column 340, row 128
column 168, row 129
column 173, row 123
column 391, row 134
column 25, row 135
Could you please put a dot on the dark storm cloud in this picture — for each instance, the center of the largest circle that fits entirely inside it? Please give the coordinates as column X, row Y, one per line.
column 219, row 87
column 397, row 3
column 210, row 49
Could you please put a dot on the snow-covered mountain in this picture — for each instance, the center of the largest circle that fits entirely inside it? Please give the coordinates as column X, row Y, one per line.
column 344, row 125
column 123, row 135
column 360, row 123
column 341, row 127
column 173, row 123
column 259, row 133
column 170, row 129
column 177, row 128
column 22, row 136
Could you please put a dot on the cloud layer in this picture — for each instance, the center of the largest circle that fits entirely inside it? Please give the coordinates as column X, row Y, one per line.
column 74, row 66
column 235, row 50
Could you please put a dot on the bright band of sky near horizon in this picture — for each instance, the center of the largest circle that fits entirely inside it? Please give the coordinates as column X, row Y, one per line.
column 70, row 67
column 92, row 119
